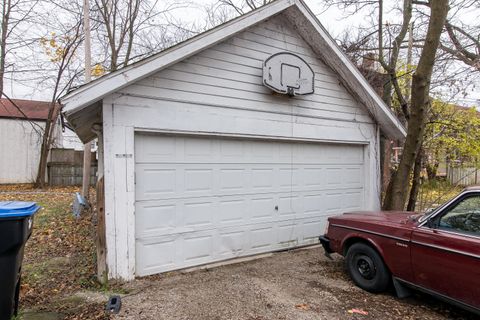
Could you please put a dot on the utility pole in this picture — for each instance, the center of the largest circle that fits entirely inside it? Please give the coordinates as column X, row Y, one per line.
column 87, row 147
column 100, row 239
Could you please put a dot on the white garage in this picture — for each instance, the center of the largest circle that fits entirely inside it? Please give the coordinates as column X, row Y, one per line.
column 240, row 141
column 199, row 200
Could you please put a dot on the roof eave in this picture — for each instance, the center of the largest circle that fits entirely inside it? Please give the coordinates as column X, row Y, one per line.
column 298, row 14
column 98, row 89
column 325, row 46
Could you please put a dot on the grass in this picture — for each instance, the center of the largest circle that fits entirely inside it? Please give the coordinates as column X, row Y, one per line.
column 434, row 193
column 59, row 257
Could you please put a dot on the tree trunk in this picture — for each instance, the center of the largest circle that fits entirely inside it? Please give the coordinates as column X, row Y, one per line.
column 385, row 163
column 396, row 198
column 3, row 40
column 432, row 169
column 412, row 199
column 387, row 93
column 40, row 181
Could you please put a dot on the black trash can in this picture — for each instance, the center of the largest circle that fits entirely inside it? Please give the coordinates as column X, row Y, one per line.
column 16, row 220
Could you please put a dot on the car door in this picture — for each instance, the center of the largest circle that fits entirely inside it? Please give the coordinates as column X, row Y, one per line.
column 446, row 251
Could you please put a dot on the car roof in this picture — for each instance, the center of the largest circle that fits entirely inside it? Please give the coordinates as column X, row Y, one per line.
column 472, row 188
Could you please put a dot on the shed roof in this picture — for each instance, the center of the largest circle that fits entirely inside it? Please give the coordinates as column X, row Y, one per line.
column 24, row 109
column 84, row 98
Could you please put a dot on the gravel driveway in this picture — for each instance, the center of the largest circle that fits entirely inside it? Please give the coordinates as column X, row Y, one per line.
column 299, row 284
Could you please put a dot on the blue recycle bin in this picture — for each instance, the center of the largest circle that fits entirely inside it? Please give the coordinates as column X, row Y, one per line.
column 16, row 221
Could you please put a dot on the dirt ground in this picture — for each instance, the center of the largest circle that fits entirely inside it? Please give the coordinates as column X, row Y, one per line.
column 58, row 280
column 299, row 284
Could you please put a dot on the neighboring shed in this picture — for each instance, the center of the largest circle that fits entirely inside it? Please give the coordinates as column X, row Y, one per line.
column 21, row 127
column 203, row 162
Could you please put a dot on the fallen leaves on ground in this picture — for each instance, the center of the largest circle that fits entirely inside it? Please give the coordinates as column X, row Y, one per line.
column 59, row 257
column 358, row 311
column 302, row 306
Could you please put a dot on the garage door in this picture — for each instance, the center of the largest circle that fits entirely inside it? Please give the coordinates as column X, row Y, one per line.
column 200, row 200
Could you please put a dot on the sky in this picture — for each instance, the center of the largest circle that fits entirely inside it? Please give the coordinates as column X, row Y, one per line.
column 333, row 19
column 191, row 14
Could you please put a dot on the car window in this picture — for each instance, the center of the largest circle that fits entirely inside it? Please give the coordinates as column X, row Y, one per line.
column 463, row 217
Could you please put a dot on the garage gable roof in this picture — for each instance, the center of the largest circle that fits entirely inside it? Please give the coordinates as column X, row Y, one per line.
column 298, row 14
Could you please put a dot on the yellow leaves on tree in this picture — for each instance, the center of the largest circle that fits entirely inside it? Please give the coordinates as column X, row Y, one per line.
column 98, row 70
column 54, row 46
column 453, row 131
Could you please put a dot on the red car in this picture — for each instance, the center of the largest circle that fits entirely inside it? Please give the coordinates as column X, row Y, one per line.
column 438, row 253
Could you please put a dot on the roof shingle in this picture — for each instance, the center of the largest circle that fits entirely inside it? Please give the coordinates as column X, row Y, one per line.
column 32, row 109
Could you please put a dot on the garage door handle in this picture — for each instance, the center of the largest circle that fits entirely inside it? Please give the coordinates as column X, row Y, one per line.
column 276, row 208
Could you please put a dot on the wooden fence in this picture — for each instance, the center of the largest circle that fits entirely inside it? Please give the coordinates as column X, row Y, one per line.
column 463, row 176
column 65, row 168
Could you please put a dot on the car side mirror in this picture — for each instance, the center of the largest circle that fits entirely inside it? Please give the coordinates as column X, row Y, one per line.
column 431, row 224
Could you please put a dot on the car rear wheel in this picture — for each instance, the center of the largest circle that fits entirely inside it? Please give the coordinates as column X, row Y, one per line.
column 366, row 268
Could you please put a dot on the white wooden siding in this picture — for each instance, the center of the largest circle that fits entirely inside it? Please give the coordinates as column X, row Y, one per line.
column 229, row 75
column 20, row 150
column 219, row 92
column 20, row 143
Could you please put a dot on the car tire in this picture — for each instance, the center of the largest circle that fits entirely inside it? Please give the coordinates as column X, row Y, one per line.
column 366, row 268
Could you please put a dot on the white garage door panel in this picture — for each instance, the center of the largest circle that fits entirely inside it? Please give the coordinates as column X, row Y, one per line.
column 200, row 200
column 164, row 217
column 187, row 180
column 198, row 247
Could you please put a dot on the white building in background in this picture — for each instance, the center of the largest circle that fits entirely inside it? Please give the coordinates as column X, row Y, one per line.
column 71, row 140
column 21, row 127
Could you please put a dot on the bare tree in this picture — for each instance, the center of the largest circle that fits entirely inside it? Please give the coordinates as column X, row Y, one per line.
column 464, row 44
column 61, row 50
column 381, row 41
column 122, row 22
column 14, row 13
column 118, row 18
column 391, row 66
column 243, row 6
column 6, row 9
column 459, row 43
